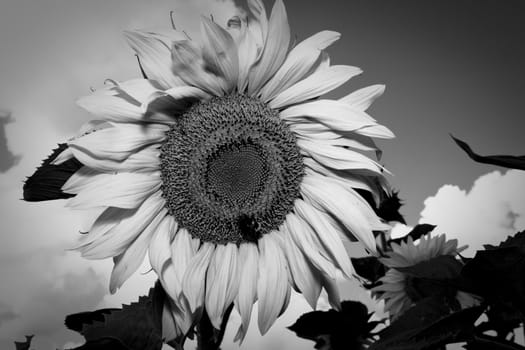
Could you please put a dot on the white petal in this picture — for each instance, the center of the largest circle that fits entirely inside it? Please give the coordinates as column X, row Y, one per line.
column 112, row 108
column 304, row 237
column 377, row 131
column 159, row 249
column 117, row 142
column 304, row 275
column 275, row 48
column 222, row 282
column 155, row 57
column 334, row 199
column 122, row 190
column 83, row 178
column 220, row 52
column 317, row 132
column 119, row 237
column 194, row 280
column 299, row 62
column 190, row 66
column 315, row 85
column 334, row 114
column 332, row 289
column 108, row 219
column 182, row 250
column 340, row 158
column 327, row 234
column 169, row 327
column 129, row 261
column 249, row 260
column 145, row 160
column 272, row 286
column 363, row 98
column 65, row 155
column 346, row 179
column 258, row 24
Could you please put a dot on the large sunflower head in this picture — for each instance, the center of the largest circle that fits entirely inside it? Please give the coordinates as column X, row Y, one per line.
column 400, row 290
column 227, row 167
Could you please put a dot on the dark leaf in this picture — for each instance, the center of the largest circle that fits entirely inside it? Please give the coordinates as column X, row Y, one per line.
column 76, row 322
column 369, row 267
column 427, row 326
column 346, row 329
column 513, row 162
column 389, row 209
column 46, row 183
column 503, row 318
column 485, row 342
column 24, row 345
column 137, row 326
column 103, row 344
column 416, row 233
column 498, row 275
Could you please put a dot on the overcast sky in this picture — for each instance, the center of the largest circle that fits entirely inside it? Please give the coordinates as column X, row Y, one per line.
column 450, row 66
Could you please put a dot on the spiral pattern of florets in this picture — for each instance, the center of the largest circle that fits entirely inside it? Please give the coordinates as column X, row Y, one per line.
column 230, row 169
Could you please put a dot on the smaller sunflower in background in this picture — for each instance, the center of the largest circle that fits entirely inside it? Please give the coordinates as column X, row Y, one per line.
column 401, row 290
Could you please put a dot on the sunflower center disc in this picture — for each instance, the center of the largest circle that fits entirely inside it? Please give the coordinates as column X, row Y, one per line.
column 230, row 170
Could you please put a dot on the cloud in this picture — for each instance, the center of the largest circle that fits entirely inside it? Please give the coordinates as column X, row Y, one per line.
column 6, row 313
column 7, row 158
column 492, row 209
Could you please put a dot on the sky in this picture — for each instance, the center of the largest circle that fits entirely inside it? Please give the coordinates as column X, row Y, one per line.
column 449, row 66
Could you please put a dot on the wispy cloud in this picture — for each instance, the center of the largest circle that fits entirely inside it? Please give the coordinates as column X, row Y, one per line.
column 7, row 158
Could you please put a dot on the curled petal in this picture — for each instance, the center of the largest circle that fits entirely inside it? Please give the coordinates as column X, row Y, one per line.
column 219, row 52
column 275, row 49
column 155, row 57
column 193, row 282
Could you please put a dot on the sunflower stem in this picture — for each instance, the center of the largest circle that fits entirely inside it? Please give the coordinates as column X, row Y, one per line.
column 209, row 338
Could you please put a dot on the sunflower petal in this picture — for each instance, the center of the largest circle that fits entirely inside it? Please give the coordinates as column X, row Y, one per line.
column 129, row 261
column 119, row 237
column 122, row 190
column 327, row 234
column 155, row 57
column 338, row 157
column 187, row 62
column 362, row 99
column 305, row 277
column 275, row 49
column 219, row 52
column 194, row 280
column 222, row 282
column 249, row 256
column 118, row 142
column 315, row 85
column 272, row 285
column 299, row 62
column 335, row 200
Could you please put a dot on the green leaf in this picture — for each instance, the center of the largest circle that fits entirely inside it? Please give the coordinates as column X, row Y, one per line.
column 137, row 326
column 47, row 181
column 416, row 233
column 513, row 162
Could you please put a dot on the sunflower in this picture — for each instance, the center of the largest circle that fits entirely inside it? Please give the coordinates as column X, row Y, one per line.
column 225, row 167
column 399, row 290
